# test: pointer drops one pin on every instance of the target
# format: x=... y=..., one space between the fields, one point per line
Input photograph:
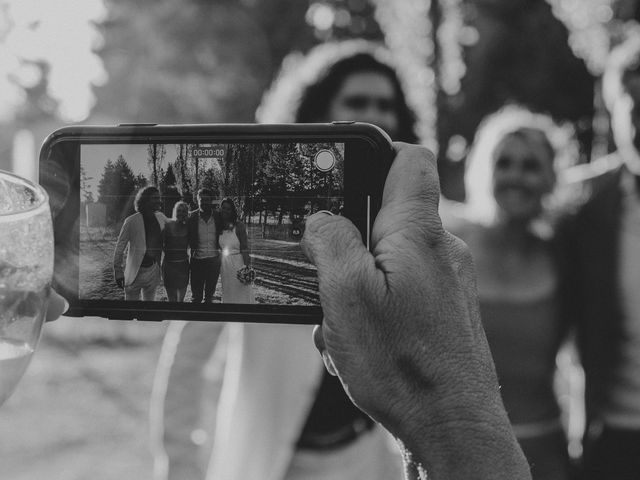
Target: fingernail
x=66 y=306
x=328 y=363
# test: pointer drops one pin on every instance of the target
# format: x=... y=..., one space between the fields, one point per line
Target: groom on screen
x=203 y=226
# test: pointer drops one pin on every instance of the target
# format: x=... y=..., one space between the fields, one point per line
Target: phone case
x=366 y=157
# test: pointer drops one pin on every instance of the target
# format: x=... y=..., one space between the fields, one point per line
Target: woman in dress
x=175 y=265
x=234 y=246
x=510 y=179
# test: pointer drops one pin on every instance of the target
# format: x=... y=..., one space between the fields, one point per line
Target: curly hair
x=143 y=196
x=305 y=86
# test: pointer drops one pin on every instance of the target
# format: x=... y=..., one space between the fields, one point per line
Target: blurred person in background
x=506 y=223
x=281 y=416
x=175 y=264
x=602 y=244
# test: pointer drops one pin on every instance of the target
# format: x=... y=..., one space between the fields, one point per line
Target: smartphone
x=218 y=239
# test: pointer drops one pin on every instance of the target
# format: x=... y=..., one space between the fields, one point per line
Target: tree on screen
x=85 y=187
x=117 y=188
x=155 y=157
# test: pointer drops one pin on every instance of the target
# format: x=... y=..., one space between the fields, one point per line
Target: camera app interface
x=203 y=223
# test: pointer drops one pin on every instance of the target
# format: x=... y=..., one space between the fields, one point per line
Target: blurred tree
x=210 y=60
x=38 y=105
x=521 y=55
x=182 y=61
x=517 y=51
x=177 y=61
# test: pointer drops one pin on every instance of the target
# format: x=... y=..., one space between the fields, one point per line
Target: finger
x=413 y=177
x=334 y=245
x=318 y=341
x=56 y=307
x=411 y=195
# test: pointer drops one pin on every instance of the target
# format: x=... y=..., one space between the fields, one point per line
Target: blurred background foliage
x=184 y=61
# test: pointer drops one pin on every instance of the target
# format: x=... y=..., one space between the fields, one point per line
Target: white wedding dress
x=233 y=290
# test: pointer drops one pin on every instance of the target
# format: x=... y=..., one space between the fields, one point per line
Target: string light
x=588 y=22
x=408 y=33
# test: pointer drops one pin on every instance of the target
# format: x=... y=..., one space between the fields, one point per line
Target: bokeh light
x=60 y=35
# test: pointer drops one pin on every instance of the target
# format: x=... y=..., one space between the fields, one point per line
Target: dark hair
x=234 y=214
x=143 y=196
x=317 y=97
x=305 y=85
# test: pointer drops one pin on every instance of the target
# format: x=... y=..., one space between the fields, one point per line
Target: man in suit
x=203 y=226
x=142 y=233
x=603 y=283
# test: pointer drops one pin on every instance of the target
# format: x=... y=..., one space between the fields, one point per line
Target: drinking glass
x=26 y=268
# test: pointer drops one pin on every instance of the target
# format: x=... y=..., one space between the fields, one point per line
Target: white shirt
x=207 y=239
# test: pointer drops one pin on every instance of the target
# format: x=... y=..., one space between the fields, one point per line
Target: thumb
x=410 y=200
x=334 y=245
x=57 y=306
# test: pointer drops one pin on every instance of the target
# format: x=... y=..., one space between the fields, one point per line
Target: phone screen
x=222 y=223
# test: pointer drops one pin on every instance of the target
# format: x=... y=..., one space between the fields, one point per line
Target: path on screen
x=283 y=274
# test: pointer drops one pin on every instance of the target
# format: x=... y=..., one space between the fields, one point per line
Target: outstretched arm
x=118 y=253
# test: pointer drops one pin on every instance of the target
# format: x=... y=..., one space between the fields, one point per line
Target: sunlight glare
x=60 y=33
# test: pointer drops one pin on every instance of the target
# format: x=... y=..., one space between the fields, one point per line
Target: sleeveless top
x=175 y=242
x=229 y=242
x=524 y=338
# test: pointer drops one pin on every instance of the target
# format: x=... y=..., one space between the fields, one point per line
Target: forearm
x=466 y=439
x=118 y=252
x=244 y=244
x=118 y=257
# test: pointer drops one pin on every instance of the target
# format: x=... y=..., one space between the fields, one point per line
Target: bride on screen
x=235 y=272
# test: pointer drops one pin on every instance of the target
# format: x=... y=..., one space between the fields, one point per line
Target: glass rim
x=42 y=198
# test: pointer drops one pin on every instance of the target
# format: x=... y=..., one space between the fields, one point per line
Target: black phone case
x=61 y=179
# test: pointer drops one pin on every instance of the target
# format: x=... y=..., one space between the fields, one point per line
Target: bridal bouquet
x=246 y=275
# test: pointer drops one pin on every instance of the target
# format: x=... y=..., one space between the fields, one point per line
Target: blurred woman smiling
x=506 y=223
